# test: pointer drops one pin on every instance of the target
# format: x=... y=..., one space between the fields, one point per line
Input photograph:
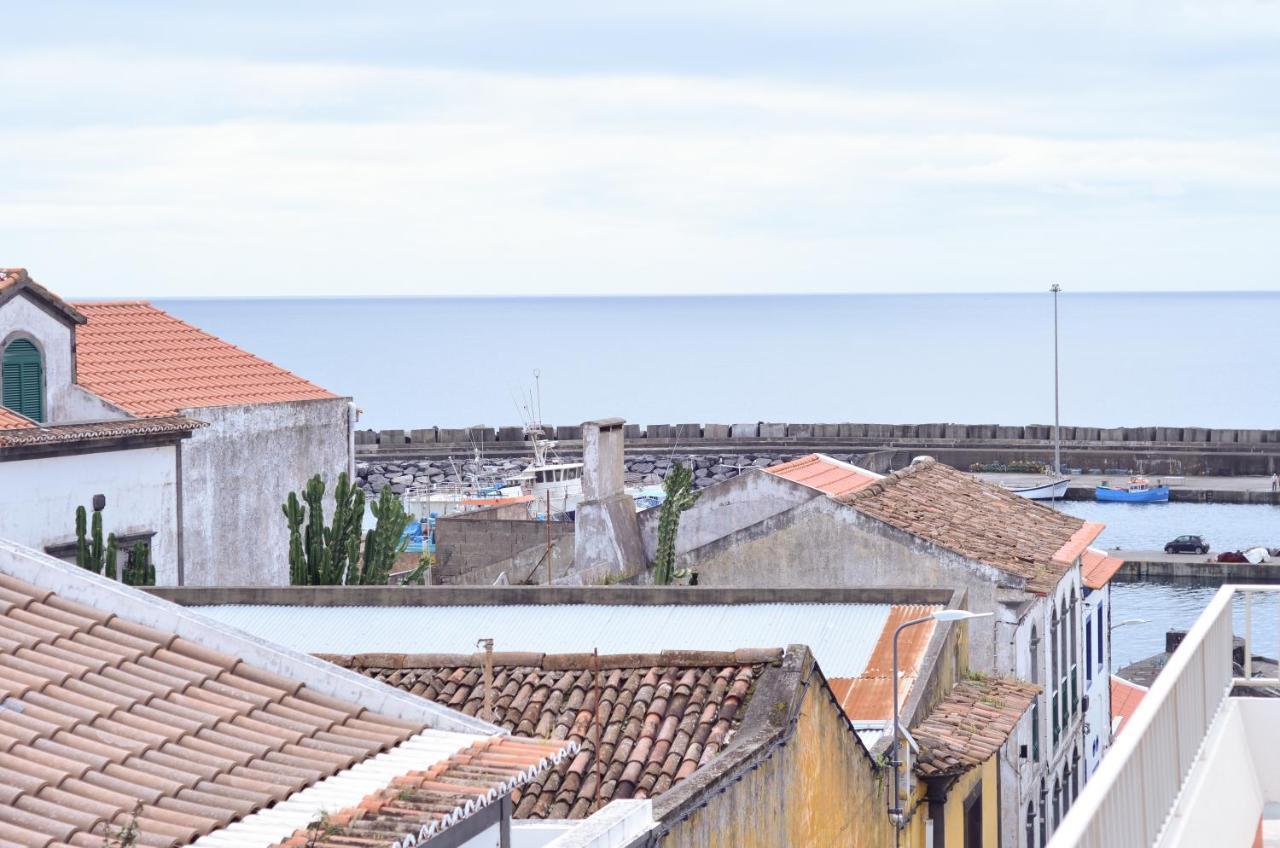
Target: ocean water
x=1207 y=360
x=1149 y=526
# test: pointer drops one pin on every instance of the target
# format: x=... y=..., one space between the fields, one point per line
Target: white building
x=192 y=442
x=1196 y=764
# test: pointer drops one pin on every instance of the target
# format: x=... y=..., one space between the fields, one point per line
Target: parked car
x=1187 y=545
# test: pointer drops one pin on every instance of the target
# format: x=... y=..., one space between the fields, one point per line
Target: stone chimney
x=606 y=533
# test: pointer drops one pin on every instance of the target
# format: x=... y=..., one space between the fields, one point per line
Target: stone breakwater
x=643 y=470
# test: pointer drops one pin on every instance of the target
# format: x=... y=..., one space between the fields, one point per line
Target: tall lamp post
x=895 y=809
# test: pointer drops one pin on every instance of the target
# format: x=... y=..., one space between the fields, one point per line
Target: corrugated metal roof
x=841 y=636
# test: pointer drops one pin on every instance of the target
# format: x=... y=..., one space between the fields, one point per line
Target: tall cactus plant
x=109 y=568
x=82 y=542
x=321 y=555
x=96 y=548
x=139 y=571
x=678 y=486
x=384 y=542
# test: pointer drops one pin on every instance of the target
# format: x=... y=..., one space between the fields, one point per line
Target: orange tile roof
x=1125 y=697
x=150 y=363
x=977 y=520
x=10 y=420
x=970 y=724
x=101 y=713
x=821 y=472
x=420 y=805
x=1097 y=569
x=869 y=696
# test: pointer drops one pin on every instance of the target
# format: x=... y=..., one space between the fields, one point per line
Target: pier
x=1158 y=565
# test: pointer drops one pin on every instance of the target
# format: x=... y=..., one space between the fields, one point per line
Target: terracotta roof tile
x=152 y=364
x=1097 y=569
x=661 y=715
x=16 y=280
x=1125 y=698
x=421 y=804
x=35 y=434
x=10 y=420
x=821 y=472
x=977 y=520
x=970 y=724
x=100 y=713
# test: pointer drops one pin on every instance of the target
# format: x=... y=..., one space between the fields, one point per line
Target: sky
x=422 y=148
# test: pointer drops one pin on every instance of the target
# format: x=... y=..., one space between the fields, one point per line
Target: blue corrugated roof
x=841 y=636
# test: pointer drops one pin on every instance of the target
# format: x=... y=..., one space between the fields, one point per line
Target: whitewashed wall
x=38 y=499
x=1098 y=718
x=236 y=474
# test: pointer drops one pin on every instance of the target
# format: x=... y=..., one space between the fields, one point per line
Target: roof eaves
x=1081 y=539
x=15 y=281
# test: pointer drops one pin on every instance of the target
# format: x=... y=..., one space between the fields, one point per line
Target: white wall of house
x=1096 y=659
x=23 y=317
x=38 y=499
x=236 y=474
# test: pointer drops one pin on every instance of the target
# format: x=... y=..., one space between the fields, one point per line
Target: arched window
x=23 y=370
x=1044 y=811
x=1035 y=654
x=1075 y=774
x=1053 y=644
x=1057 y=803
x=1031 y=825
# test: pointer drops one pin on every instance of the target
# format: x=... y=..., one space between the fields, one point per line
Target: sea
x=1179 y=360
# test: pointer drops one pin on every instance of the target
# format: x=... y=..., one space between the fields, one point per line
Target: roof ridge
x=891 y=479
x=561 y=661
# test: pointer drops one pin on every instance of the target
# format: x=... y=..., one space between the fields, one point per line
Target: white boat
x=1053 y=490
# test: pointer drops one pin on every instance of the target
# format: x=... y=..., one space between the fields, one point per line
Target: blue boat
x=1139 y=490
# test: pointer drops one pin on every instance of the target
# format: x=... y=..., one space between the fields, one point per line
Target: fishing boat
x=1138 y=490
x=1053 y=490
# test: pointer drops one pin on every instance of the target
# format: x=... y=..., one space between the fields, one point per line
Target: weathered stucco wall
x=21 y=317
x=824 y=543
x=721 y=509
x=238 y=471
x=471 y=542
x=819 y=789
x=38 y=499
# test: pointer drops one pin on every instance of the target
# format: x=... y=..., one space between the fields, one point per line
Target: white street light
x=945 y=615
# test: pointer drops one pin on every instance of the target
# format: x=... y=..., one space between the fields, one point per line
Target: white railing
x=1128 y=800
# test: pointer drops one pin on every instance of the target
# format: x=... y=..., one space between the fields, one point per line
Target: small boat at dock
x=1138 y=490
x=1053 y=490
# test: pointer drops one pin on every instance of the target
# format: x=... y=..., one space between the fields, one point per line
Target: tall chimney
x=606 y=533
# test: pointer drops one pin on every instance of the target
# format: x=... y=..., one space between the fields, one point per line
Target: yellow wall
x=818 y=789
x=953 y=810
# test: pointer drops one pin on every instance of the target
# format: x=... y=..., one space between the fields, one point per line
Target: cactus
x=678 y=486
x=82 y=544
x=110 y=567
x=384 y=542
x=320 y=555
x=95 y=546
x=138 y=570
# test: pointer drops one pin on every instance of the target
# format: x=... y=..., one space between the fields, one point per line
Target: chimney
x=606 y=534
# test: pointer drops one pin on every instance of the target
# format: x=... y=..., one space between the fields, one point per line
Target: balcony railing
x=1128 y=800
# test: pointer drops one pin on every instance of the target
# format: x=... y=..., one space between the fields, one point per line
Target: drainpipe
x=487 y=645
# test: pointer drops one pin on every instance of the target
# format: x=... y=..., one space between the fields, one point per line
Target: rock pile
x=644 y=470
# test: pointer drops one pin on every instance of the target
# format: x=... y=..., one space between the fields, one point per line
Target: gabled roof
x=422 y=804
x=150 y=363
x=970 y=724
x=869 y=696
x=665 y=715
x=978 y=520
x=1125 y=697
x=14 y=281
x=1097 y=568
x=828 y=475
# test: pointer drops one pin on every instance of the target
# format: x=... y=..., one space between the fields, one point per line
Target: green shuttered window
x=24 y=379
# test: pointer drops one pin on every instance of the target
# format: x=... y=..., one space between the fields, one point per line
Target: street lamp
x=895 y=810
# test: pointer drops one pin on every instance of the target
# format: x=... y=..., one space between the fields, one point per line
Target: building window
x=1057 y=803
x=1031 y=825
x=24 y=379
x=1075 y=774
x=1035 y=730
x=973 y=819
x=1102 y=629
x=1088 y=650
x=1044 y=811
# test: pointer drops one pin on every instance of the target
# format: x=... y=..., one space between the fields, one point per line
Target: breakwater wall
x=1197 y=436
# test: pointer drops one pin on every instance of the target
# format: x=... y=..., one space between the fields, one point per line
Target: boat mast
x=1057 y=432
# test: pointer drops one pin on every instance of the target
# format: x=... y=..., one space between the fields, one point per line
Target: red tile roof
x=869 y=696
x=34 y=434
x=10 y=420
x=821 y=472
x=422 y=804
x=970 y=724
x=101 y=713
x=1097 y=569
x=1125 y=698
x=977 y=520
x=150 y=364
x=663 y=715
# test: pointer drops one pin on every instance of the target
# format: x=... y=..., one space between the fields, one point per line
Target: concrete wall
x=934 y=433
x=473 y=541
x=38 y=499
x=824 y=543
x=721 y=509
x=819 y=789
x=238 y=471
